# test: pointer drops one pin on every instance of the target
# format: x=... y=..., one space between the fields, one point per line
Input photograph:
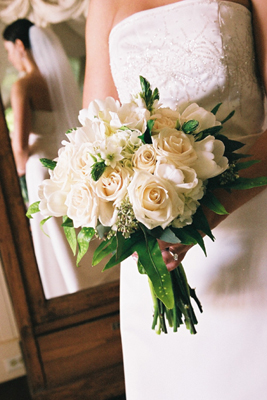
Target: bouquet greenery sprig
x=136 y=173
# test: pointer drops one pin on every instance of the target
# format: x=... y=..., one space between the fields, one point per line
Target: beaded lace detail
x=193 y=50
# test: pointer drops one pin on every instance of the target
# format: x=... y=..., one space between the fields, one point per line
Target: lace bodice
x=192 y=50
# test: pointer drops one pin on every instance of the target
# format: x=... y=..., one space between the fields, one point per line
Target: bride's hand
x=172 y=254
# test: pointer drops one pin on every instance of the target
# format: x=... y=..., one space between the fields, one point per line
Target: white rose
x=154 y=200
x=52 y=199
x=145 y=158
x=82 y=205
x=61 y=173
x=133 y=117
x=183 y=178
x=175 y=146
x=111 y=189
x=210 y=160
x=81 y=162
x=165 y=118
x=205 y=118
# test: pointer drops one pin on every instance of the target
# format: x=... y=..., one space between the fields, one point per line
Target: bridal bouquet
x=138 y=172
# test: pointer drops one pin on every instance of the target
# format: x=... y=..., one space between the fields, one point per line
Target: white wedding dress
x=200 y=50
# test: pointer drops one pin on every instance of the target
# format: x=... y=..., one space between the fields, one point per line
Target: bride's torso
x=192 y=50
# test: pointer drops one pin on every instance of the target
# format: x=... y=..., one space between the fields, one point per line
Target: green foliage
x=98 y=169
x=33 y=208
x=147 y=95
x=50 y=164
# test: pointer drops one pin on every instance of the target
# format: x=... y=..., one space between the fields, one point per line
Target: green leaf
x=216 y=108
x=141 y=269
x=146 y=137
x=200 y=223
x=33 y=208
x=70 y=235
x=246 y=164
x=67 y=222
x=190 y=230
x=98 y=169
x=169 y=236
x=104 y=249
x=230 y=145
x=246 y=183
x=190 y=126
x=42 y=224
x=150 y=257
x=84 y=237
x=210 y=131
x=228 y=117
x=102 y=231
x=147 y=95
x=125 y=248
x=184 y=236
x=211 y=201
x=50 y=164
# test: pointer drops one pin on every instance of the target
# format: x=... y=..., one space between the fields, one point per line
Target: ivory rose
x=154 y=200
x=175 y=146
x=82 y=205
x=165 y=118
x=210 y=160
x=111 y=189
x=52 y=199
x=145 y=158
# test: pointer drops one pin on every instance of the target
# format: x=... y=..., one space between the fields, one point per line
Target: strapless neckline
x=168 y=7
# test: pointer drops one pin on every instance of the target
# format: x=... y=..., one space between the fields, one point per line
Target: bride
x=196 y=51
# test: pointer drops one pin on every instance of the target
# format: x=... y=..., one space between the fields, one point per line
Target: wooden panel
x=104 y=385
x=81 y=350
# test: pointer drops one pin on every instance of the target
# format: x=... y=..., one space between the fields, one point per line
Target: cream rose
x=210 y=160
x=145 y=158
x=175 y=146
x=82 y=205
x=205 y=118
x=61 y=173
x=111 y=189
x=52 y=199
x=155 y=202
x=165 y=118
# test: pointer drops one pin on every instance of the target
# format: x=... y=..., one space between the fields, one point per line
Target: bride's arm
x=22 y=124
x=98 y=83
x=258 y=151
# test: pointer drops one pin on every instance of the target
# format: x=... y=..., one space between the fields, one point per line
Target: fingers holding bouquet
x=172 y=254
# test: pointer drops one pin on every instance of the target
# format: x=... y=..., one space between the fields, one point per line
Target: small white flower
x=110 y=153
